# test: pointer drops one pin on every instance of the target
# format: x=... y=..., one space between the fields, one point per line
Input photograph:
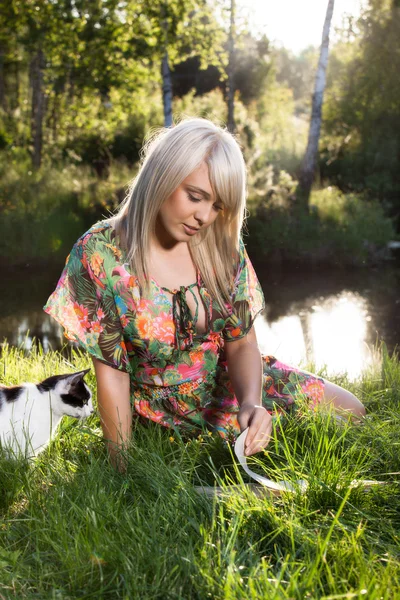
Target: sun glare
x=295 y=24
x=332 y=333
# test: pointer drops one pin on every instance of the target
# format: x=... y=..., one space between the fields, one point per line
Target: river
x=332 y=318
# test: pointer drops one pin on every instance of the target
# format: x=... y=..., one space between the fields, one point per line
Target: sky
x=295 y=24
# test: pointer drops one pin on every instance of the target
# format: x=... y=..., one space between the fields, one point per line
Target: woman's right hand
x=259 y=422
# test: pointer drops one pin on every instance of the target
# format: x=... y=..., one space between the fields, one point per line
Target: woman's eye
x=193 y=199
x=218 y=207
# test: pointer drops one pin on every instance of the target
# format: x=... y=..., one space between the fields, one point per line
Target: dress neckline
x=175 y=290
x=181 y=287
x=198 y=281
x=185 y=322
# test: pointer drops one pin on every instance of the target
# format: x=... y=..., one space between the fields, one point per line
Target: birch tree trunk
x=166 y=74
x=38 y=107
x=310 y=158
x=231 y=67
x=166 y=90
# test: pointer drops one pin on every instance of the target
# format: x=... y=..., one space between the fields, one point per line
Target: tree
x=81 y=61
x=310 y=159
x=361 y=146
x=181 y=29
x=40 y=25
x=166 y=73
x=231 y=69
x=72 y=49
x=10 y=25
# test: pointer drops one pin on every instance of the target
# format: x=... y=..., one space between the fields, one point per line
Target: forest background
x=82 y=83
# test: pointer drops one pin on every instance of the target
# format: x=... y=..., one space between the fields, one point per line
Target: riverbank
x=42 y=215
x=339 y=230
x=70 y=523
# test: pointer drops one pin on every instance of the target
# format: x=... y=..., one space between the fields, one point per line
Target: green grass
x=71 y=527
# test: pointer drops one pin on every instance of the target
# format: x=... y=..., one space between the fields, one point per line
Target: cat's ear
x=75 y=377
x=84 y=372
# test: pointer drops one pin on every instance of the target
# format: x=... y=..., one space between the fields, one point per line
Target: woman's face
x=189 y=209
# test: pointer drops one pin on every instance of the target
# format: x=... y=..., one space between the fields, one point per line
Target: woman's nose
x=203 y=213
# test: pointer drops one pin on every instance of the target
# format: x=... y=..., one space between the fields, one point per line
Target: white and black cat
x=30 y=413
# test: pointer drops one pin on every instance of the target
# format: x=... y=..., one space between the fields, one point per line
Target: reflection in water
x=20 y=331
x=338 y=331
x=331 y=333
x=283 y=338
x=23 y=292
x=330 y=321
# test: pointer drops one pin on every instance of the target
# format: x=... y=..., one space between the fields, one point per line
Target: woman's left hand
x=259 y=422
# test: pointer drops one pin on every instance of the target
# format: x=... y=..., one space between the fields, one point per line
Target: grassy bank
x=339 y=229
x=42 y=214
x=70 y=527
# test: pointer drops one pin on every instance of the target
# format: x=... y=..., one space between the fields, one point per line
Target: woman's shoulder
x=100 y=232
x=97 y=246
x=101 y=237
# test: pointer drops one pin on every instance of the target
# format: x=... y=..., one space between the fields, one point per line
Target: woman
x=163 y=296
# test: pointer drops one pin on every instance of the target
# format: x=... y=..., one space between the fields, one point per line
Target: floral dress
x=178 y=378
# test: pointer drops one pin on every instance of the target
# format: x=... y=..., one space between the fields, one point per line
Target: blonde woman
x=163 y=296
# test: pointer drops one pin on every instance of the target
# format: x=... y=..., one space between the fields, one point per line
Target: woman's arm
x=245 y=373
x=113 y=399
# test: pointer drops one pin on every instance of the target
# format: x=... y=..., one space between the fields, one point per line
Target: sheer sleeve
x=85 y=304
x=247 y=299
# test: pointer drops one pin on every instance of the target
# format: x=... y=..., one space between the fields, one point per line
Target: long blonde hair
x=168 y=157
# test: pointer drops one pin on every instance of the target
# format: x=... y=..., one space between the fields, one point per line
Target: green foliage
x=360 y=221
x=341 y=229
x=96 y=56
x=252 y=68
x=98 y=133
x=209 y=106
x=5 y=139
x=42 y=214
x=360 y=147
x=69 y=523
x=297 y=73
x=281 y=136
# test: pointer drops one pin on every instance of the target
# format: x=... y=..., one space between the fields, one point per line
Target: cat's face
x=70 y=395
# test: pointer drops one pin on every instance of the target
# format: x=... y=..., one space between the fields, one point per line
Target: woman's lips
x=190 y=230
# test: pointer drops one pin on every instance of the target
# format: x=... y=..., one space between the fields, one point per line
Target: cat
x=30 y=413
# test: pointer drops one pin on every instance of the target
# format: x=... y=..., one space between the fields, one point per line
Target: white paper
x=280 y=486
x=286 y=486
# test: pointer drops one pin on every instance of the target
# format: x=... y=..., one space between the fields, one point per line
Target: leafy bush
x=115 y=130
x=342 y=229
x=42 y=214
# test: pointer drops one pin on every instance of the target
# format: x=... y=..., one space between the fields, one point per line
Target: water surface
x=332 y=318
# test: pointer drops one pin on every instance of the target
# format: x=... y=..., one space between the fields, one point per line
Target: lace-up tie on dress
x=185 y=323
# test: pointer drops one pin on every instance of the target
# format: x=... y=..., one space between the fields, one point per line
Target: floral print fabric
x=177 y=380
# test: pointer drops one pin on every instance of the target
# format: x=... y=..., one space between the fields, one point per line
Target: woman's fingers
x=261 y=440
x=246 y=416
x=259 y=433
